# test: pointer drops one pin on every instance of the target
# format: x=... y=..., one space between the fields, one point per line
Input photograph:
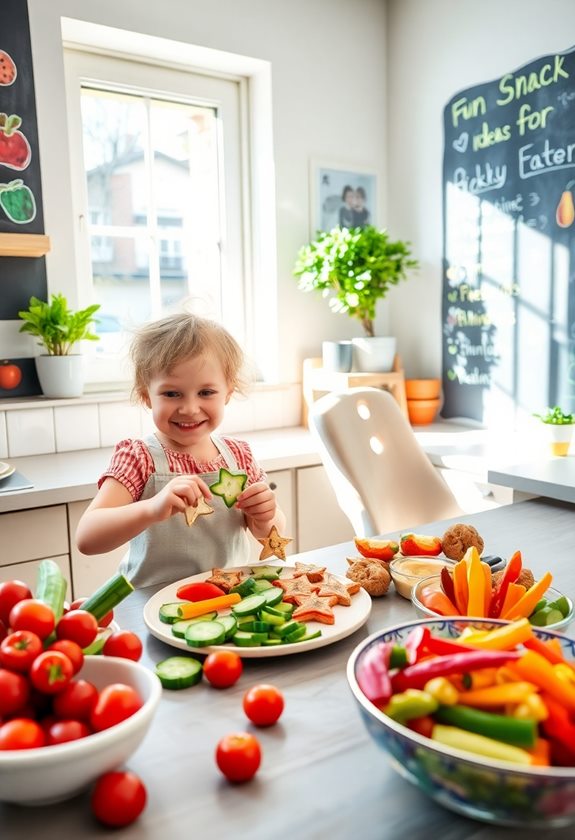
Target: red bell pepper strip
x=447 y=585
x=442 y=647
x=421 y=642
x=557 y=725
x=373 y=674
x=510 y=575
x=415 y=676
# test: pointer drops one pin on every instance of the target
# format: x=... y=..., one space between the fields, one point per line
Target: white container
x=559 y=437
x=374 y=354
x=61 y=376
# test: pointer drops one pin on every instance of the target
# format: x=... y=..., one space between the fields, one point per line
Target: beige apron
x=171 y=550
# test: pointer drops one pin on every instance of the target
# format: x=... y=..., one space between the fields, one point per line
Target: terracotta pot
x=422 y=412
x=422 y=389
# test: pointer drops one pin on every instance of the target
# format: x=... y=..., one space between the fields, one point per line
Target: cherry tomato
x=118 y=798
x=72 y=650
x=199 y=591
x=238 y=756
x=14 y=692
x=79 y=626
x=263 y=704
x=223 y=668
x=19 y=650
x=3 y=630
x=76 y=701
x=61 y=731
x=11 y=591
x=21 y=734
x=32 y=614
x=124 y=643
x=51 y=672
x=116 y=702
x=10 y=376
x=103 y=622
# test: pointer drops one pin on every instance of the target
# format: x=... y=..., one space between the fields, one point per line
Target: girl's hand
x=258 y=502
x=180 y=492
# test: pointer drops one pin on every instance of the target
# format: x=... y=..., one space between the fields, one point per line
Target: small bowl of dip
x=407 y=571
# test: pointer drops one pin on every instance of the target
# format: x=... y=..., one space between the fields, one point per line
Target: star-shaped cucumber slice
x=229 y=486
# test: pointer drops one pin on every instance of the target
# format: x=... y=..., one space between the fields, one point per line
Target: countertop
x=72 y=476
x=322 y=777
x=553 y=478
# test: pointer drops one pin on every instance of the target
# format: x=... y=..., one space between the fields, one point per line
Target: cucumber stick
x=108 y=596
x=51 y=587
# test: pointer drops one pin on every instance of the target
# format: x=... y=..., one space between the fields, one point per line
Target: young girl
x=186 y=369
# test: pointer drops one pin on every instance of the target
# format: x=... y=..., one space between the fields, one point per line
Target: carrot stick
x=551 y=653
x=488 y=587
x=536 y=669
x=526 y=604
x=497 y=695
x=540 y=753
x=195 y=608
x=515 y=591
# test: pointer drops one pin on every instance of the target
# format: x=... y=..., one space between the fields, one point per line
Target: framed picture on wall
x=342 y=195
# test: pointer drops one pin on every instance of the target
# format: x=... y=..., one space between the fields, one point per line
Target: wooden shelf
x=24 y=244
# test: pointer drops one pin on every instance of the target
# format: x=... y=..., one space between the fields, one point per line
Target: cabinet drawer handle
x=273 y=485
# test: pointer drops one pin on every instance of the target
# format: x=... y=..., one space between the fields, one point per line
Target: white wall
x=328 y=76
x=434 y=49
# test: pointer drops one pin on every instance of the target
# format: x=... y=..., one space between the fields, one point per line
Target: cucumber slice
x=229 y=486
x=282 y=609
x=272 y=642
x=308 y=636
x=243 y=639
x=249 y=605
x=245 y=588
x=179 y=627
x=561 y=604
x=229 y=624
x=289 y=627
x=205 y=633
x=295 y=635
x=271 y=619
x=261 y=585
x=272 y=596
x=169 y=612
x=545 y=617
x=179 y=672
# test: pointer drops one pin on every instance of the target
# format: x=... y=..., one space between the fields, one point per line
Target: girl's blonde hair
x=161 y=345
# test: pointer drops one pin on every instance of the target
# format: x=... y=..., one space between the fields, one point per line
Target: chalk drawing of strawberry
x=8 y=70
x=15 y=152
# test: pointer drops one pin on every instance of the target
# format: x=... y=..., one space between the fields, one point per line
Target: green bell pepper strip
x=413 y=703
x=516 y=731
x=415 y=676
x=451 y=736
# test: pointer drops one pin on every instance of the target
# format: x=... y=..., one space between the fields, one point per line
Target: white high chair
x=382 y=478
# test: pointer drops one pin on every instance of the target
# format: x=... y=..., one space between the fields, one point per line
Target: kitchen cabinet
x=320 y=519
x=29 y=536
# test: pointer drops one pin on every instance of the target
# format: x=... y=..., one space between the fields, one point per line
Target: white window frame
x=258 y=228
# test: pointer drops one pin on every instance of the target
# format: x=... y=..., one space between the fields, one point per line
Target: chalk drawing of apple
x=15 y=152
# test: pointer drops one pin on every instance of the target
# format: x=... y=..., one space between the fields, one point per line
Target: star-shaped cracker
x=314 y=608
x=274 y=545
x=225 y=579
x=313 y=573
x=201 y=508
x=293 y=587
x=332 y=586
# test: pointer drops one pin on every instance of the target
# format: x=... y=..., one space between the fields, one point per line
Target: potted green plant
x=560 y=428
x=59 y=329
x=355 y=268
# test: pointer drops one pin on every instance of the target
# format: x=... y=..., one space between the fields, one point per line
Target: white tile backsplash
x=30 y=432
x=3 y=437
x=118 y=421
x=76 y=427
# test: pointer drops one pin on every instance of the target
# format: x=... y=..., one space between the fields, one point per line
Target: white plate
x=6 y=470
x=347 y=621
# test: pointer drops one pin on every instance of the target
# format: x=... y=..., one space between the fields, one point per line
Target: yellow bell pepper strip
x=536 y=669
x=192 y=609
x=510 y=575
x=415 y=676
x=533 y=707
x=515 y=591
x=412 y=703
x=505 y=637
x=461 y=587
x=497 y=695
x=373 y=673
x=452 y=736
x=564 y=672
x=420 y=544
x=488 y=587
x=525 y=605
x=520 y=733
x=443 y=691
x=475 y=582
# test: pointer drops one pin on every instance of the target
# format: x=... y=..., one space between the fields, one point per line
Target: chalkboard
x=508 y=308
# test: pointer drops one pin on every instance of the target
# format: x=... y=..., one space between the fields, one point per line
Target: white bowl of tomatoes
x=59 y=771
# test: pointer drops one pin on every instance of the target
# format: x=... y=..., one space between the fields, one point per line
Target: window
x=158 y=195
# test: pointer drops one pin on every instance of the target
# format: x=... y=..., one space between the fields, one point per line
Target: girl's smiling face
x=188 y=404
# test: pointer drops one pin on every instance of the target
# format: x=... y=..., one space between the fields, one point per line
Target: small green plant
x=354 y=268
x=556 y=417
x=57 y=327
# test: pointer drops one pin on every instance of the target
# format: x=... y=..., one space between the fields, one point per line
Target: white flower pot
x=373 y=354
x=559 y=438
x=61 y=376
